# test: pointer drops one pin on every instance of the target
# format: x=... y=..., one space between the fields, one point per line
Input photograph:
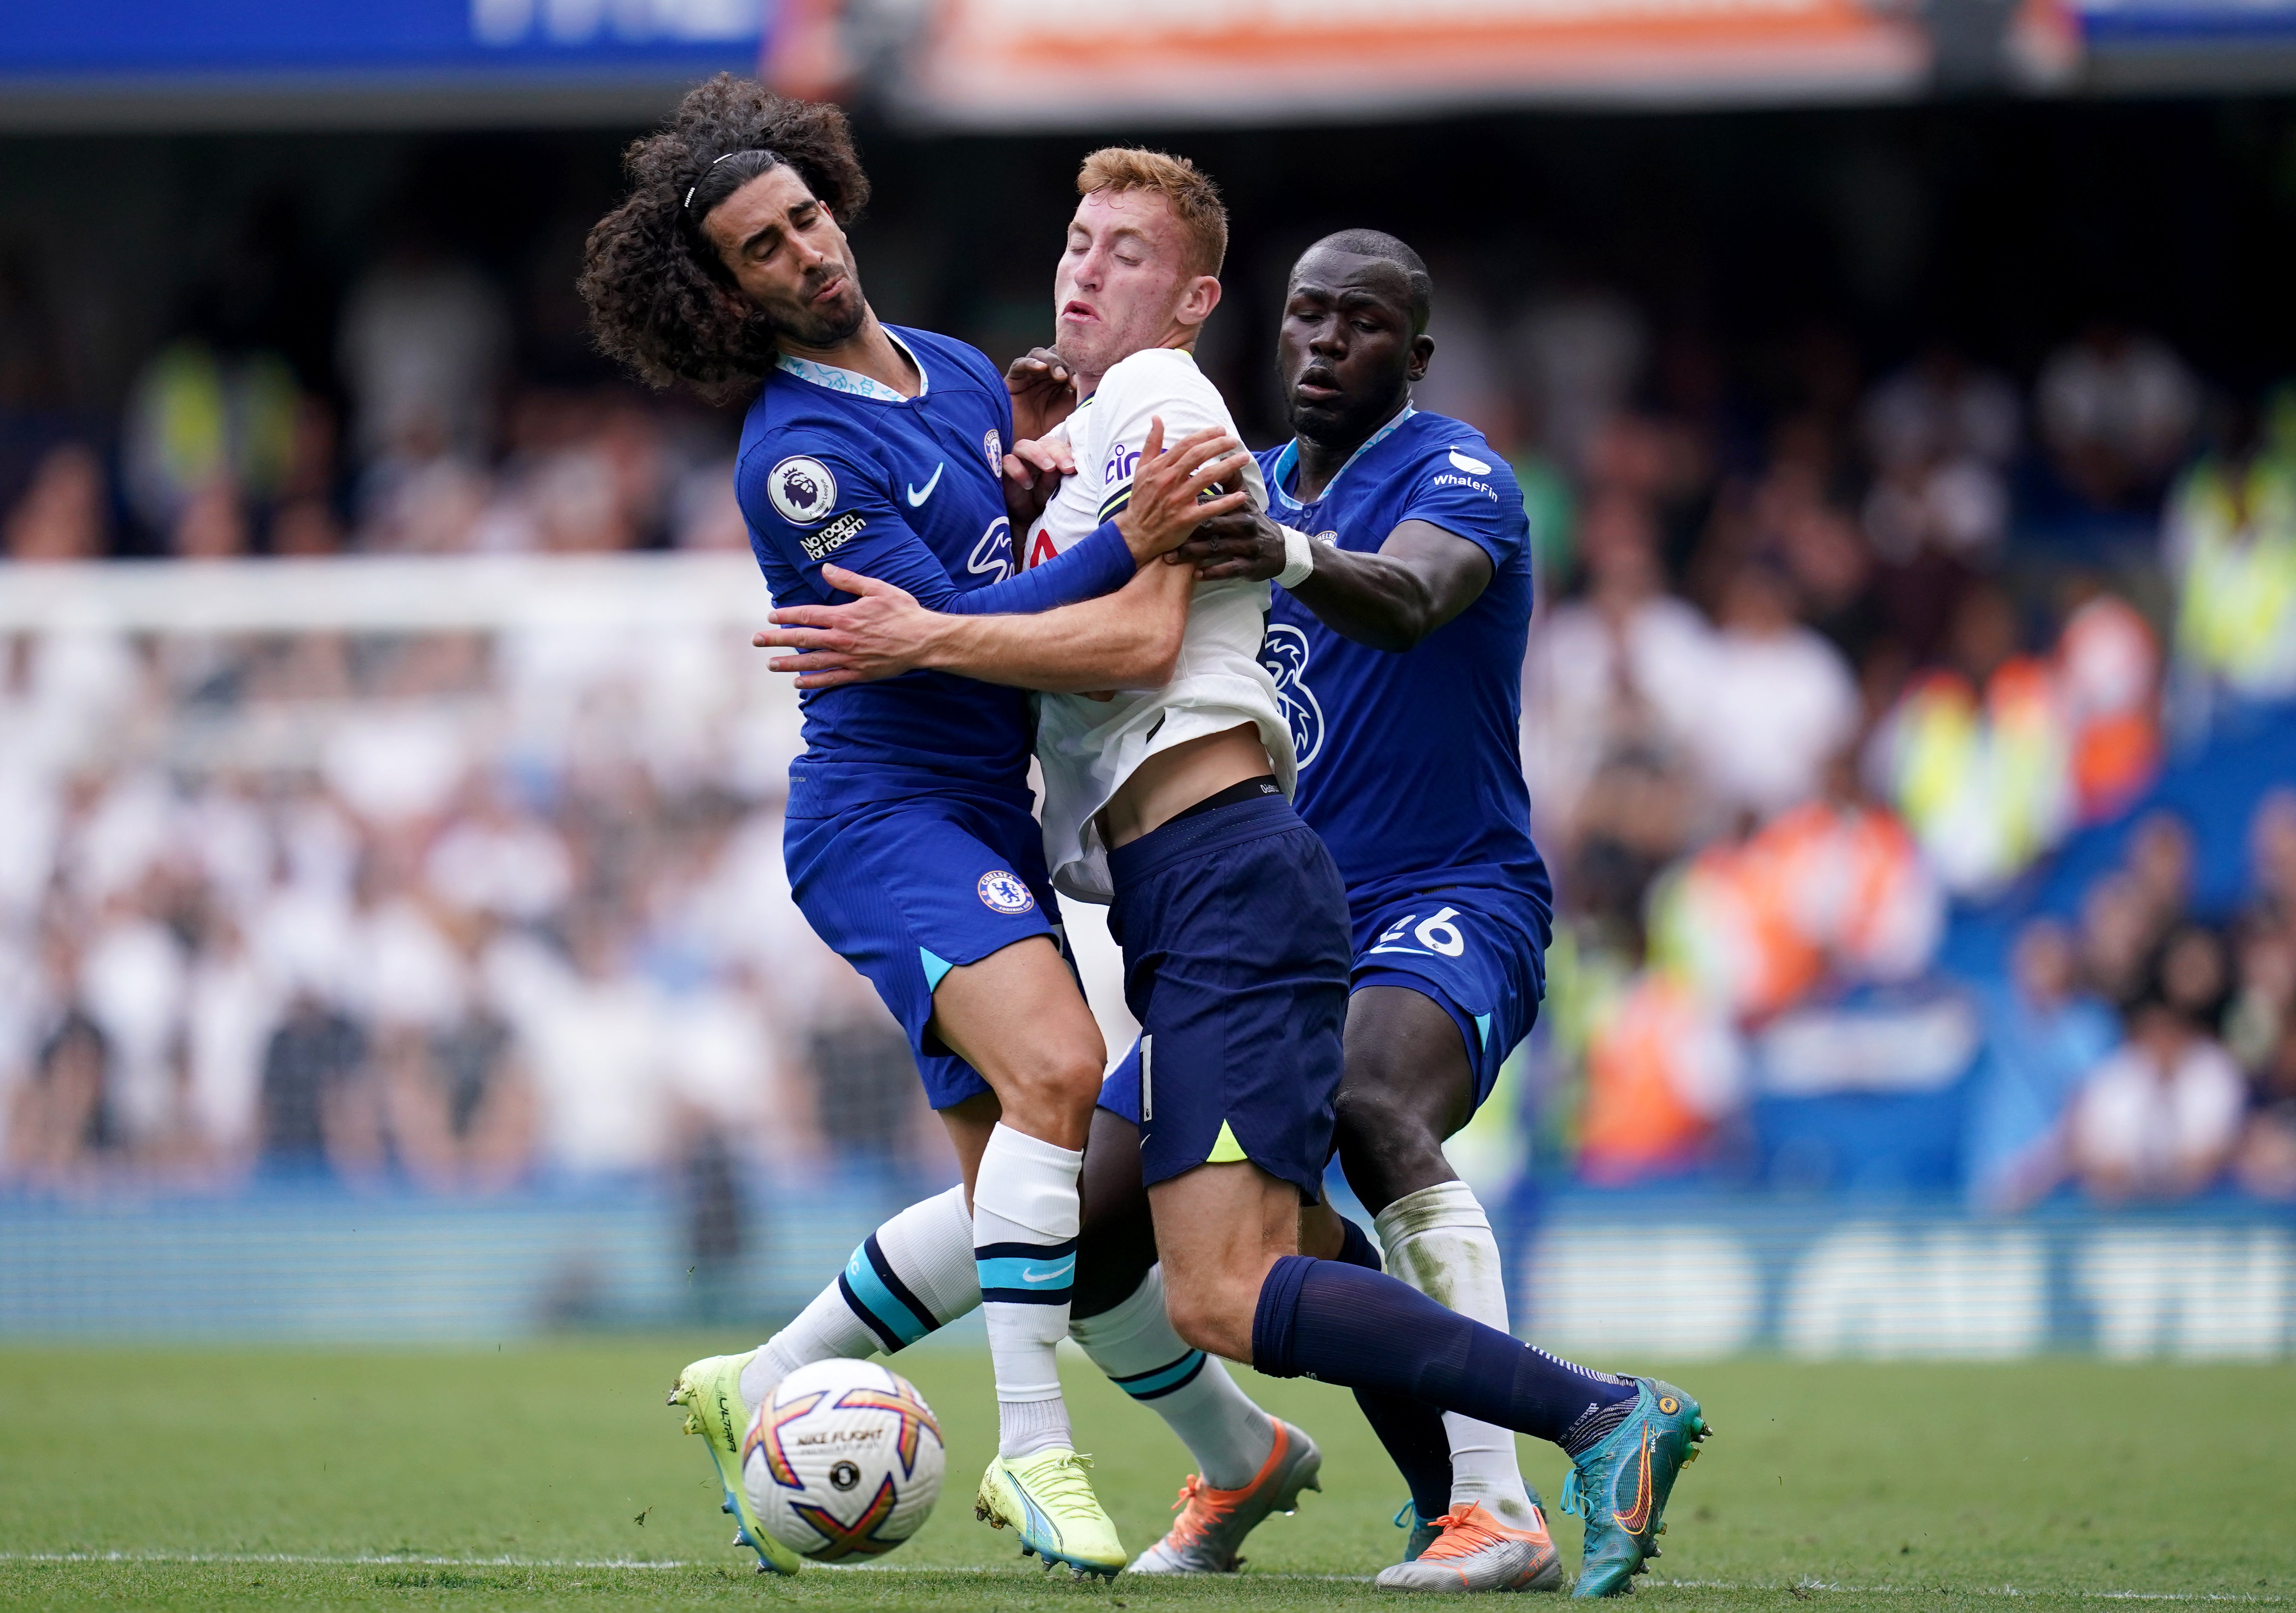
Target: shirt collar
x=1287 y=463
x=852 y=382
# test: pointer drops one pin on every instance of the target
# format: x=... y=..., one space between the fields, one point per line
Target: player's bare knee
x=1379 y=1123
x=1204 y=1314
x=1050 y=1083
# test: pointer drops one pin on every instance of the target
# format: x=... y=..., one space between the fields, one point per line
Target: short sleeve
x=1470 y=491
x=1160 y=385
x=829 y=506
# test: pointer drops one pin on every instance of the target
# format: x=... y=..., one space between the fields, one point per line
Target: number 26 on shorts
x=1437 y=933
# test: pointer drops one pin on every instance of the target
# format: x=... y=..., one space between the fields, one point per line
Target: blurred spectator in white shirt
x=1779 y=702
x=1619 y=672
x=1941 y=434
x=1581 y=349
x=422 y=347
x=1941 y=407
x=233 y=1011
x=594 y=1034
x=2159 y=1118
x=2116 y=410
x=498 y=859
x=133 y=979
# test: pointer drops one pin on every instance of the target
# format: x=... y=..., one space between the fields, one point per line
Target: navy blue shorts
x=906 y=891
x=1234 y=930
x=1481 y=959
x=1478 y=953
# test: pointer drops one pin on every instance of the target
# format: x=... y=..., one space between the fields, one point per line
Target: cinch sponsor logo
x=836 y=535
x=1447 y=480
x=1121 y=463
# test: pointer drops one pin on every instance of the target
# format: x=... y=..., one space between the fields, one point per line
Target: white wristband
x=1299 y=558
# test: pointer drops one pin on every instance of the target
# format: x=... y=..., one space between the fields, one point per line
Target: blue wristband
x=1101 y=565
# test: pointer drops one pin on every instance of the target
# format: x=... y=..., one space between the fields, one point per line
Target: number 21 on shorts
x=1436 y=933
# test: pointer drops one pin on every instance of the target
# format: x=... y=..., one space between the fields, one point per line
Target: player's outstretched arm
x=1419 y=578
x=1128 y=639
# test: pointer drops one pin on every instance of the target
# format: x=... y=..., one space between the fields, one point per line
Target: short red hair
x=1195 y=200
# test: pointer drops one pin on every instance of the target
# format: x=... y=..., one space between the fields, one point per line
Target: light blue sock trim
x=1147 y=1386
x=885 y=1305
x=935 y=969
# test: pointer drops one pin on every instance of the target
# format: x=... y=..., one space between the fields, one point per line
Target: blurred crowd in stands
x=455 y=910
x=1825 y=667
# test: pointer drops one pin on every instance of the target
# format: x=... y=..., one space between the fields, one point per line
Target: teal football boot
x=1620 y=1486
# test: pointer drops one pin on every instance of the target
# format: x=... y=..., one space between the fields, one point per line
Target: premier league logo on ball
x=1003 y=891
x=802 y=490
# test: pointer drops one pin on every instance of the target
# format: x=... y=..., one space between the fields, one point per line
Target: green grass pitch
x=552 y=1474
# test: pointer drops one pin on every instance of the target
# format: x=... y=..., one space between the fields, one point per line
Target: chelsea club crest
x=1001 y=891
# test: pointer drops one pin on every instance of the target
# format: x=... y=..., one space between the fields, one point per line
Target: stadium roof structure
x=1050 y=64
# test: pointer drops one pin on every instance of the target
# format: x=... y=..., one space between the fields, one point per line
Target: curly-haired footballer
x=911 y=845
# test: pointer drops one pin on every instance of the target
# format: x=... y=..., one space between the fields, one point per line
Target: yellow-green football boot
x=1620 y=1485
x=1049 y=1499
x=710 y=1391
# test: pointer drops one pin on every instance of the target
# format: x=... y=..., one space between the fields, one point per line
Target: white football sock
x=910 y=1276
x=1439 y=1241
x=1025 y=1219
x=1134 y=1344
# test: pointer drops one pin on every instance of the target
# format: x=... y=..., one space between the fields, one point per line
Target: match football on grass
x=544 y=1475
x=1017 y=803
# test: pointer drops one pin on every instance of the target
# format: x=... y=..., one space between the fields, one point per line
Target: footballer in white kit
x=1088 y=746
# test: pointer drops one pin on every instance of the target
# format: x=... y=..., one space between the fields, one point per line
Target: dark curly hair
x=656 y=288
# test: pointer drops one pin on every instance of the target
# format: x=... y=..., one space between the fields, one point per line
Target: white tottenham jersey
x=1089 y=747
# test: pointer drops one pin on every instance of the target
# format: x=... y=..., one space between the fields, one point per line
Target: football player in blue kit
x=1418 y=1000
x=911 y=844
x=1397 y=641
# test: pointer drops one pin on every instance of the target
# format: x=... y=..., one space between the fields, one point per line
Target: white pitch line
x=257 y=1559
x=1835 y=1585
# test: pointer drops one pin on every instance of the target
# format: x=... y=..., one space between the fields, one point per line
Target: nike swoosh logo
x=1055 y=1275
x=917 y=497
x=1634 y=1521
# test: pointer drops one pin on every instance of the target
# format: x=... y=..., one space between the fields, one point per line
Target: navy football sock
x=1412 y=1430
x=1339 y=1324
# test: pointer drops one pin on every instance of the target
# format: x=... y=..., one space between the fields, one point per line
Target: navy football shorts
x=906 y=891
x=1480 y=954
x=1233 y=925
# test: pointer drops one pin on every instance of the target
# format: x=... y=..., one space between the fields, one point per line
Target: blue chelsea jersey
x=838 y=469
x=1411 y=764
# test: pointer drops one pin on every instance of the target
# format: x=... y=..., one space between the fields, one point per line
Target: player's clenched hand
x=1170 y=484
x=881 y=633
x=1244 y=544
x=1044 y=391
x=1032 y=475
